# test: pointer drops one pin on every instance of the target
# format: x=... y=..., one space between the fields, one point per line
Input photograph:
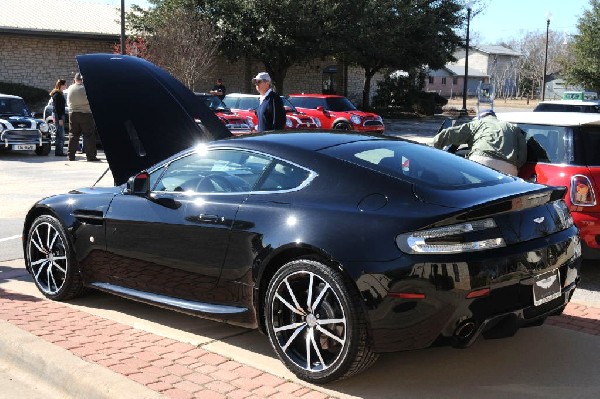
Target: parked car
x=338 y=246
x=337 y=112
x=19 y=130
x=235 y=122
x=248 y=104
x=49 y=117
x=568 y=106
x=563 y=151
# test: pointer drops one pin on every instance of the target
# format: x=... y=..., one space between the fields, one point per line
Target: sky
x=501 y=19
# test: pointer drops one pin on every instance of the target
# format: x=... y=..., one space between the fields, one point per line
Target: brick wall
x=39 y=61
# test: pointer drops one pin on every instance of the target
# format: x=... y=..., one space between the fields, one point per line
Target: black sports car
x=338 y=246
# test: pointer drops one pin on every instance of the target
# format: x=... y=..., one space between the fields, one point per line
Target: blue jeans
x=59 y=144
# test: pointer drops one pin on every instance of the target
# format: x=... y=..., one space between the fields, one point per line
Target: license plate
x=23 y=147
x=546 y=287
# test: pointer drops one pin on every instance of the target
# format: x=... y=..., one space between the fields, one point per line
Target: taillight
x=582 y=191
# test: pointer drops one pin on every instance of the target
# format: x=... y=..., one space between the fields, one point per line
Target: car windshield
x=417 y=163
x=289 y=107
x=548 y=144
x=339 y=104
x=13 y=107
x=550 y=107
x=214 y=103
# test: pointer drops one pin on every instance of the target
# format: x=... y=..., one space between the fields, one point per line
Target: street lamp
x=548 y=16
x=469 y=6
x=122 y=27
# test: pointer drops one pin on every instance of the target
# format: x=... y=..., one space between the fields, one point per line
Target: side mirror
x=139 y=184
x=320 y=108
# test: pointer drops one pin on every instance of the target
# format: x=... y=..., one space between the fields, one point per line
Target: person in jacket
x=219 y=89
x=59 y=103
x=81 y=121
x=270 y=112
x=497 y=144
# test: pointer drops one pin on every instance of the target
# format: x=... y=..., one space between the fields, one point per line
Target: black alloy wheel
x=51 y=260
x=316 y=323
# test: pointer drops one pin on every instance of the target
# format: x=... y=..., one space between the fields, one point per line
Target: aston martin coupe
x=338 y=246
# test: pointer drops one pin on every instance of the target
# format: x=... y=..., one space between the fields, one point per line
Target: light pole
x=463 y=111
x=548 y=16
x=122 y=27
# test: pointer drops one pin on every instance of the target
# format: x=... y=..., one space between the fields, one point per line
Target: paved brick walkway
x=173 y=368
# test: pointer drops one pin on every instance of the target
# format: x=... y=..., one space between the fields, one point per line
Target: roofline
x=108 y=37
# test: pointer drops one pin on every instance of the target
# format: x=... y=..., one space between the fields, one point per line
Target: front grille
x=372 y=123
x=238 y=127
x=21 y=136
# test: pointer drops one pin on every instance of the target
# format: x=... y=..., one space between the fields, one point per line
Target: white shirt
x=262 y=98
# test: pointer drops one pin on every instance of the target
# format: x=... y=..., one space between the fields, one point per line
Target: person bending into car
x=270 y=112
x=497 y=144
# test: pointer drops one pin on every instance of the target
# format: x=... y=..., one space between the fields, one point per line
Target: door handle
x=210 y=218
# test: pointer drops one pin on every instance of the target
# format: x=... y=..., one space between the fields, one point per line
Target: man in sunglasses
x=270 y=112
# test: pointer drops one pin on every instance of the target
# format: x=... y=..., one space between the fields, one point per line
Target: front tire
x=51 y=260
x=342 y=126
x=43 y=149
x=316 y=323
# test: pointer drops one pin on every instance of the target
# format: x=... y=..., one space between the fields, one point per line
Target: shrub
x=30 y=94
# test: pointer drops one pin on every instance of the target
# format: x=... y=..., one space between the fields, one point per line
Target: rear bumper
x=443 y=308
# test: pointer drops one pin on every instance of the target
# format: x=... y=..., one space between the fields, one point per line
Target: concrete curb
x=42 y=360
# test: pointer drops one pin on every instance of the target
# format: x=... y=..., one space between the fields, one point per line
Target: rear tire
x=316 y=323
x=51 y=260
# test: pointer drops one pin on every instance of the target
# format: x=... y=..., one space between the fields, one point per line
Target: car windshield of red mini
x=417 y=163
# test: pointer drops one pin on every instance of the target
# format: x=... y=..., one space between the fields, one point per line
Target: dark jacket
x=270 y=113
x=59 y=102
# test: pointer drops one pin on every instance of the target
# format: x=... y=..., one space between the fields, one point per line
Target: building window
x=454 y=81
x=431 y=80
x=443 y=80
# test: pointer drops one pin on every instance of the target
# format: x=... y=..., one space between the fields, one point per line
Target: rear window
x=587 y=142
x=549 y=144
x=567 y=108
x=417 y=163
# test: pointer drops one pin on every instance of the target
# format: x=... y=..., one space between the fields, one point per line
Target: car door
x=174 y=241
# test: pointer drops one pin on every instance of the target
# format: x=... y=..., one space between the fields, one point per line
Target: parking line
x=10 y=238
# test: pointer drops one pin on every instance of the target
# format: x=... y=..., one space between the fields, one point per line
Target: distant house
x=40 y=39
x=487 y=64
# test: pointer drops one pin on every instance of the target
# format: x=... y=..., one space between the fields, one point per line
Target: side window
x=283 y=176
x=314 y=103
x=214 y=171
x=297 y=101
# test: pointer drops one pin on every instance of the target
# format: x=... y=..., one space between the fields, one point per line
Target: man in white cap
x=270 y=112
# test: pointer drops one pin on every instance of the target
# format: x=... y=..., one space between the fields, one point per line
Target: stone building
x=40 y=39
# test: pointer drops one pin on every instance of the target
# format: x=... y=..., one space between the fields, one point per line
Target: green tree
x=402 y=34
x=584 y=66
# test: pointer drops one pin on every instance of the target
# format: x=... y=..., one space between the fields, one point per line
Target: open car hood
x=142 y=113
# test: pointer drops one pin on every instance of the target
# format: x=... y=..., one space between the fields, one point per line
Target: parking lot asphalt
x=102 y=346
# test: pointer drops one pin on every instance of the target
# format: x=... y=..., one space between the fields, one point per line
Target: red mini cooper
x=235 y=122
x=337 y=112
x=563 y=150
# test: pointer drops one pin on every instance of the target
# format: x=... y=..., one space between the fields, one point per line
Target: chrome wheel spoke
x=51 y=244
x=59 y=267
x=310 y=289
x=287 y=305
x=38 y=243
x=293 y=337
x=330 y=335
x=289 y=327
x=37 y=274
x=310 y=334
x=316 y=348
x=331 y=321
x=321 y=295
x=287 y=284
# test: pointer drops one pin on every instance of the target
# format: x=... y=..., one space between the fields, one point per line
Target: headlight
x=355 y=119
x=43 y=127
x=250 y=123
x=452 y=239
x=317 y=121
